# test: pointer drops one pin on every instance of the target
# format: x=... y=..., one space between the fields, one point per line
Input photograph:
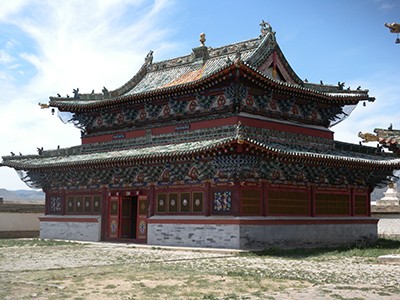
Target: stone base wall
x=389 y=225
x=19 y=225
x=194 y=235
x=19 y=234
x=78 y=228
x=305 y=236
x=236 y=234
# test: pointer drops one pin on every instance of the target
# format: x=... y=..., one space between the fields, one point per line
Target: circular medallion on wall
x=249 y=101
x=142 y=115
x=120 y=119
x=173 y=202
x=197 y=202
x=185 y=202
x=192 y=106
x=167 y=111
x=161 y=202
x=99 y=121
x=221 y=100
x=273 y=105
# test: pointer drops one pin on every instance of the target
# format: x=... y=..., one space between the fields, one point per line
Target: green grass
x=35 y=243
x=378 y=248
x=110 y=286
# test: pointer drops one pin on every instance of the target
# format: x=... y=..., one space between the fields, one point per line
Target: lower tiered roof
x=341 y=155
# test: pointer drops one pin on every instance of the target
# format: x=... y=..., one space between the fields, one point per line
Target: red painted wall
x=216 y=123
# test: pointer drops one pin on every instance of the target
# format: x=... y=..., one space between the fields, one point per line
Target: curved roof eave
x=203 y=83
x=187 y=150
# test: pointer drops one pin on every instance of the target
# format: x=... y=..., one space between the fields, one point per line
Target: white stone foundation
x=78 y=228
x=251 y=236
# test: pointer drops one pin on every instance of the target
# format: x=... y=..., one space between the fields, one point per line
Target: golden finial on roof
x=202 y=39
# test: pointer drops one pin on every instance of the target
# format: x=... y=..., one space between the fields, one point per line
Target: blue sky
x=53 y=46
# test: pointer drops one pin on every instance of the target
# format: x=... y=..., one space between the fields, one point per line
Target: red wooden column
x=63 y=201
x=151 y=198
x=104 y=214
x=264 y=199
x=312 y=200
x=208 y=198
x=352 y=201
x=236 y=199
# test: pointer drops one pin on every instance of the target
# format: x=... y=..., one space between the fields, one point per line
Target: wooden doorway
x=128 y=217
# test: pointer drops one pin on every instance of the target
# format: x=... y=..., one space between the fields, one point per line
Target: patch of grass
x=110 y=286
x=4 y=243
x=384 y=294
x=340 y=297
x=375 y=249
x=231 y=296
x=210 y=297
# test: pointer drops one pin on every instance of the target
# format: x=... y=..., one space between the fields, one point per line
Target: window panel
x=251 y=202
x=288 y=203
x=222 y=201
x=70 y=204
x=361 y=205
x=88 y=204
x=161 y=202
x=173 y=202
x=185 y=202
x=96 y=204
x=197 y=202
x=332 y=204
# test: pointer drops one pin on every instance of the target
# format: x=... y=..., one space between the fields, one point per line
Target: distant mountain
x=21 y=195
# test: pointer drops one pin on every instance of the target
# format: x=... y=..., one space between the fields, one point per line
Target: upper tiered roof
x=259 y=59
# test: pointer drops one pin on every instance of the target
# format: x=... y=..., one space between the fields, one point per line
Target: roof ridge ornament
x=202 y=39
x=149 y=58
x=238 y=58
x=201 y=53
x=265 y=28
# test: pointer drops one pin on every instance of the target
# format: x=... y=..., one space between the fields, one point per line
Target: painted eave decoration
x=205 y=148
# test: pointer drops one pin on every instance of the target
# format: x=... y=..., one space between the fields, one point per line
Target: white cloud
x=5 y=57
x=87 y=44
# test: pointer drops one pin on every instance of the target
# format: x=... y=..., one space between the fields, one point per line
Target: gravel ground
x=121 y=271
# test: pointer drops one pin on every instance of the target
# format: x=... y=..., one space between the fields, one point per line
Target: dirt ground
x=125 y=271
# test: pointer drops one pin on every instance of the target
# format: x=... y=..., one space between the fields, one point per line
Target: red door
x=114 y=203
x=141 y=227
x=128 y=217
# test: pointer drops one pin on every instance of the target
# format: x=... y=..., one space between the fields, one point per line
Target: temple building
x=224 y=147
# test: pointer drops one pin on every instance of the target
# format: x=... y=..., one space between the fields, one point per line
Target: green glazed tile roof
x=190 y=71
x=171 y=152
